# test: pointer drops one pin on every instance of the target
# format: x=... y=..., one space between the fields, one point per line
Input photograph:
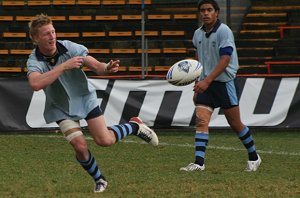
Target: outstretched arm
x=39 y=80
x=101 y=68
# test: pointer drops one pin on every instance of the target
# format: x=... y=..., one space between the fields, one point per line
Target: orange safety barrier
x=150 y=51
x=106 y=17
x=93 y=34
x=123 y=51
x=147 y=33
x=4 y=51
x=80 y=18
x=38 y=3
x=175 y=50
x=113 y=33
x=6 y=18
x=14 y=35
x=172 y=33
x=11 y=69
x=88 y=2
x=58 y=18
x=20 y=51
x=282 y=28
x=139 y=2
x=63 y=2
x=159 y=16
x=67 y=34
x=185 y=16
x=162 y=68
x=113 y=2
x=269 y=63
x=99 y=51
x=131 y=17
x=24 y=18
x=13 y=3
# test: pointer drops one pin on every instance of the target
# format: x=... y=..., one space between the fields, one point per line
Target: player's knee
x=104 y=141
x=201 y=121
x=202 y=118
x=80 y=146
x=71 y=129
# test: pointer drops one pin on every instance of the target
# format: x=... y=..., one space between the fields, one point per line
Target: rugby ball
x=184 y=72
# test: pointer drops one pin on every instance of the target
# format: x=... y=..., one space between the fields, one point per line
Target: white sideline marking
x=183 y=145
x=218 y=148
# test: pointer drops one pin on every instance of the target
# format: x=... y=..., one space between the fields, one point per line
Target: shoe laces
x=145 y=135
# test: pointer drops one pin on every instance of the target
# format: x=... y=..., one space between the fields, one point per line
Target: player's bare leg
x=104 y=136
x=203 y=115
x=73 y=134
x=234 y=119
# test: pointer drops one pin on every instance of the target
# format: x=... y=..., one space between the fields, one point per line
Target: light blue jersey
x=208 y=47
x=71 y=96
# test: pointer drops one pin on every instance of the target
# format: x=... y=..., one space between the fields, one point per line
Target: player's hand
x=200 y=86
x=73 y=63
x=113 y=66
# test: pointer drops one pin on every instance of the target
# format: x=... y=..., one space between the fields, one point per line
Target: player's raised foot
x=253 y=165
x=100 y=185
x=193 y=167
x=144 y=132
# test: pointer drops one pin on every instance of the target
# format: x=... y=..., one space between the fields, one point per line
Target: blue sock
x=201 y=141
x=91 y=167
x=123 y=130
x=247 y=139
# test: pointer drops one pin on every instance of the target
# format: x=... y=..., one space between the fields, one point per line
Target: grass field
x=43 y=165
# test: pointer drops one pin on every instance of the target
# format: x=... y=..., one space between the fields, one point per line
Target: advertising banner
x=264 y=102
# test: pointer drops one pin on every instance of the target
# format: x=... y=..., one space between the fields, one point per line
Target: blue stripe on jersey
x=226 y=51
x=230 y=86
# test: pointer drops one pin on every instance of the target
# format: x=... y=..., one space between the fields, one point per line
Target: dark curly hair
x=212 y=2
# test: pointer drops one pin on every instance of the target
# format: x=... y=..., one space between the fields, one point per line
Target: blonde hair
x=37 y=22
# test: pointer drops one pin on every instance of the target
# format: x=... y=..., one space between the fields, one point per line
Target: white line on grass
x=218 y=148
x=186 y=145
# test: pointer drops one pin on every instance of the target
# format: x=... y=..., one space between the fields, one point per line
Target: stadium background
x=266 y=37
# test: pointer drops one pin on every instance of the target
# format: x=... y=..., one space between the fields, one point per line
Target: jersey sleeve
x=76 y=49
x=225 y=37
x=33 y=65
x=195 y=40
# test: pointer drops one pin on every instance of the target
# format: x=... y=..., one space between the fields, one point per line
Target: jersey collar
x=215 y=28
x=61 y=49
